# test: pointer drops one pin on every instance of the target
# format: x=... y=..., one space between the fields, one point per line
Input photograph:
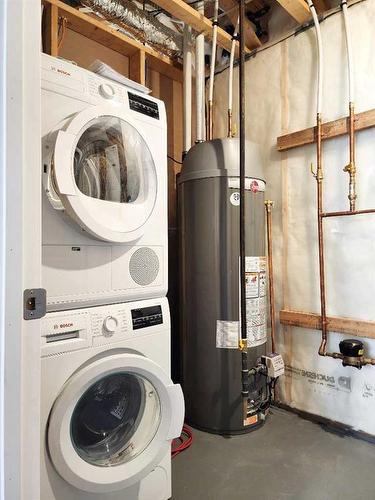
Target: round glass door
x=104 y=174
x=113 y=422
x=115 y=419
x=112 y=162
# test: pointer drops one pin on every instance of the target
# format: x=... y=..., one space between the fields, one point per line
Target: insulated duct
x=140 y=23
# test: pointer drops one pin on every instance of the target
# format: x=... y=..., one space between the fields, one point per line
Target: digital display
x=143 y=105
x=146 y=316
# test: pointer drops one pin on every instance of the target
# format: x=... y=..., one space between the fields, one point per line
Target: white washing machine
x=105 y=181
x=109 y=407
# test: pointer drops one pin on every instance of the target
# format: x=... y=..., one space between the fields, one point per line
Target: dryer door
x=113 y=423
x=104 y=173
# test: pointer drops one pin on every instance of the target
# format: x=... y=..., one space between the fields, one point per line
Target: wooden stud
x=298 y=9
x=200 y=23
x=99 y=31
x=51 y=30
x=251 y=39
x=312 y=321
x=137 y=67
x=336 y=128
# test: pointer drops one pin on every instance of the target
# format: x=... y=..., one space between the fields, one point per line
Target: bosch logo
x=58 y=70
x=62 y=325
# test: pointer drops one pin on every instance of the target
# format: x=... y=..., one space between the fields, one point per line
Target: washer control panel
x=96 y=326
x=146 y=316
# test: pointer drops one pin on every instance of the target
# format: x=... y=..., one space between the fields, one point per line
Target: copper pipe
x=269 y=205
x=319 y=184
x=347 y=212
x=351 y=168
x=230 y=131
x=210 y=126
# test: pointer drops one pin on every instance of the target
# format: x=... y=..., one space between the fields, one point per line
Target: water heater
x=209 y=200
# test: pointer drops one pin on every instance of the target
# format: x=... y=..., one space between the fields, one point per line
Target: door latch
x=34 y=303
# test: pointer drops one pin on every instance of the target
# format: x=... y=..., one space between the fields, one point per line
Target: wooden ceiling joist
x=298 y=9
x=200 y=23
x=251 y=39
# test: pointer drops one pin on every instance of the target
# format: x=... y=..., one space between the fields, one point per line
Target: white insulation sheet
x=281 y=98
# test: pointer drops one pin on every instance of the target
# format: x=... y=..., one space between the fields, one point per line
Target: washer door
x=104 y=173
x=113 y=422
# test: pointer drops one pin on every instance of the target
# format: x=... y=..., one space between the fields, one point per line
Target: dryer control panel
x=143 y=105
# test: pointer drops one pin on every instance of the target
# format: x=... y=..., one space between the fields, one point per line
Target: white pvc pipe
x=187 y=88
x=320 y=56
x=213 y=54
x=199 y=81
x=231 y=65
x=344 y=7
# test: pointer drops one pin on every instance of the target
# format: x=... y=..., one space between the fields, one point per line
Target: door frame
x=20 y=247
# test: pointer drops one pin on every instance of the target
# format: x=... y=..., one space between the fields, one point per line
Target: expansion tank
x=208 y=188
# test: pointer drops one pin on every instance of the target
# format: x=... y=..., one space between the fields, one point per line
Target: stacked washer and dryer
x=109 y=407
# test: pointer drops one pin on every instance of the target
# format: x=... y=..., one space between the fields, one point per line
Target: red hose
x=183 y=442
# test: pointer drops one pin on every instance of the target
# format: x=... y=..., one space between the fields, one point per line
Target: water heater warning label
x=228 y=332
x=256 y=302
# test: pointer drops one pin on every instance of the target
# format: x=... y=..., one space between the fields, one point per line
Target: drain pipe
x=230 y=80
x=212 y=72
x=187 y=88
x=351 y=168
x=199 y=81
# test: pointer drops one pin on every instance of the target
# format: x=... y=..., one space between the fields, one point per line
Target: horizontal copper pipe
x=347 y=212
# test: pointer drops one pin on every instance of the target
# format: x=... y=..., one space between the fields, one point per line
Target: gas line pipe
x=230 y=80
x=351 y=351
x=243 y=341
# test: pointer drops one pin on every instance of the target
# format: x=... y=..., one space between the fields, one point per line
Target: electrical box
x=275 y=364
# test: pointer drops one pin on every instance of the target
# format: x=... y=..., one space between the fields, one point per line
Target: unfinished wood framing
x=298 y=9
x=312 y=321
x=201 y=24
x=99 y=31
x=137 y=67
x=231 y=6
x=51 y=31
x=336 y=128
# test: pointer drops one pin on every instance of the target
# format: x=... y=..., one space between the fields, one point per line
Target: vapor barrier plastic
x=281 y=98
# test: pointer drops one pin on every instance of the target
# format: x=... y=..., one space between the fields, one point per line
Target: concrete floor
x=289 y=458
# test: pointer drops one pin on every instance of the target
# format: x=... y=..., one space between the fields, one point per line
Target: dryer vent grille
x=144 y=266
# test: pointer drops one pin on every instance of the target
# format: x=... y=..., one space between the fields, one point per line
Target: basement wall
x=281 y=98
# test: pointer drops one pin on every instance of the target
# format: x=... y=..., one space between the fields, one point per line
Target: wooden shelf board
x=99 y=31
x=332 y=129
x=312 y=321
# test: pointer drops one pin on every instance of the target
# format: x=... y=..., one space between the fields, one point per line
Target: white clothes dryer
x=109 y=407
x=105 y=181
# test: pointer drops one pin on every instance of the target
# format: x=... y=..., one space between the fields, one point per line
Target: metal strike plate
x=34 y=303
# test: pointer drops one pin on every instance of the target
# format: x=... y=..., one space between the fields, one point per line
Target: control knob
x=106 y=91
x=110 y=325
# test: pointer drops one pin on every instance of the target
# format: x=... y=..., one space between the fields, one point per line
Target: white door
x=102 y=172
x=113 y=422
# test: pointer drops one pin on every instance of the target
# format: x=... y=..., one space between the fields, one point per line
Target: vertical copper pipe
x=230 y=131
x=210 y=126
x=271 y=292
x=351 y=168
x=319 y=184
